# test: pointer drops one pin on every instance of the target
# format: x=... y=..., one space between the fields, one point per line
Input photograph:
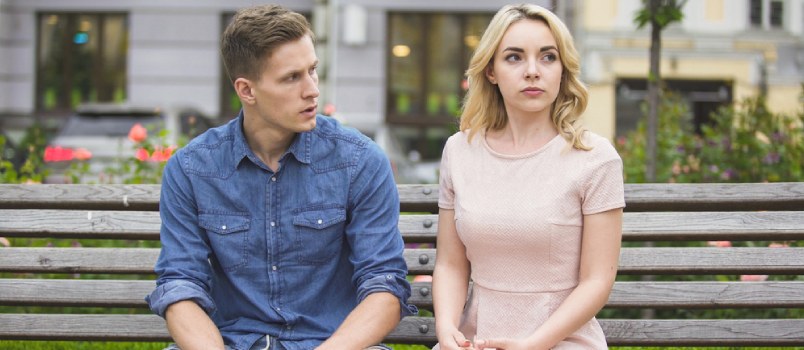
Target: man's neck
x=267 y=142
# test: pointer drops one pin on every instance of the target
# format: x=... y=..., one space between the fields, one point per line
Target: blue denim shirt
x=288 y=254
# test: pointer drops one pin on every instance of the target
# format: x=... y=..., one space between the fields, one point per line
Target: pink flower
x=137 y=133
x=162 y=154
x=778 y=245
x=423 y=278
x=329 y=109
x=4 y=242
x=82 y=154
x=753 y=278
x=719 y=244
x=142 y=154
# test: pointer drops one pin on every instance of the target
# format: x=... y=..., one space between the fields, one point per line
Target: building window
x=81 y=57
x=428 y=54
x=766 y=14
x=703 y=97
x=230 y=103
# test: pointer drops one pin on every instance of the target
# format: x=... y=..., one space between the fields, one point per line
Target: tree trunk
x=653 y=92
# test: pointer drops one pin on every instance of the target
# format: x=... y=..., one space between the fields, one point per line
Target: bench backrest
x=118 y=228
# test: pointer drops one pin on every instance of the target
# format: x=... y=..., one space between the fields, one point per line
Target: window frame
x=423 y=119
x=63 y=104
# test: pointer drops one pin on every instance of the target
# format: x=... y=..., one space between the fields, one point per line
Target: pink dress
x=520 y=218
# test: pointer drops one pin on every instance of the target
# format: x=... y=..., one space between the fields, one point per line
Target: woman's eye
x=512 y=58
x=550 y=57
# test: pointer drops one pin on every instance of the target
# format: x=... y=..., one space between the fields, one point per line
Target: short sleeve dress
x=520 y=219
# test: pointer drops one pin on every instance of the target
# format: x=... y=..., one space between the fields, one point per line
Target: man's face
x=286 y=94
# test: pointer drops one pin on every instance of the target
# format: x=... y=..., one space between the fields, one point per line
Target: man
x=279 y=229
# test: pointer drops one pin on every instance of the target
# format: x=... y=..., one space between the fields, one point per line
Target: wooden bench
x=660 y=213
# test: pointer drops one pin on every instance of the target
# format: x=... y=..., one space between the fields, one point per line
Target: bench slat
x=421 y=261
x=663 y=226
x=709 y=295
x=421 y=329
x=423 y=198
x=75 y=196
x=130 y=260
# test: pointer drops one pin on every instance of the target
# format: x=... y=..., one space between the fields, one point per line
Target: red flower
x=58 y=154
x=82 y=154
x=142 y=154
x=137 y=133
x=719 y=244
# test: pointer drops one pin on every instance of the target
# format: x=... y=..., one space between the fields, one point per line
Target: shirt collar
x=300 y=148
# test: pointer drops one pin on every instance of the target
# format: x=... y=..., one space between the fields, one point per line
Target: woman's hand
x=504 y=344
x=454 y=340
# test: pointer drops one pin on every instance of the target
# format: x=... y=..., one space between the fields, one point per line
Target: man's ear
x=243 y=88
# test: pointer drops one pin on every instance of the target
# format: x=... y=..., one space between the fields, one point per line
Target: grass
x=82 y=345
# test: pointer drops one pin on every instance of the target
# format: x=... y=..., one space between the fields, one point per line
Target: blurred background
x=393 y=69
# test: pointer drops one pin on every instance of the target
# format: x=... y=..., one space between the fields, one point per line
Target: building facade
x=391 y=68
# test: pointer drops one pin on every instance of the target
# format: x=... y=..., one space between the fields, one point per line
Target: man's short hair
x=254 y=33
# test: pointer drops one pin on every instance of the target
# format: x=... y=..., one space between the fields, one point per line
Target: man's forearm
x=191 y=327
x=367 y=324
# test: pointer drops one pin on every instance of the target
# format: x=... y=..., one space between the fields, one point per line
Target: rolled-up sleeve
x=174 y=291
x=377 y=245
x=183 y=268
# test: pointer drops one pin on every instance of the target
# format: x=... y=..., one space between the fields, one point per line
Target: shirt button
x=289 y=327
x=273 y=267
x=273 y=224
x=223 y=227
x=320 y=221
x=273 y=179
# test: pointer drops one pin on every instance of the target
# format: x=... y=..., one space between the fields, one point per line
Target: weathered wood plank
x=88 y=224
x=421 y=261
x=66 y=292
x=714 y=226
x=146 y=328
x=705 y=295
x=423 y=198
x=421 y=330
x=712 y=261
x=75 y=196
x=130 y=260
x=715 y=196
x=662 y=226
x=704 y=332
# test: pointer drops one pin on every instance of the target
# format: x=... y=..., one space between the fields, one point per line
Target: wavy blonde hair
x=484 y=108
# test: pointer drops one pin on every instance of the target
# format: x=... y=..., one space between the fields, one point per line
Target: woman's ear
x=244 y=91
x=490 y=74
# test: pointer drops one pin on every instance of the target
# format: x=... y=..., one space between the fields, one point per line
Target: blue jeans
x=262 y=344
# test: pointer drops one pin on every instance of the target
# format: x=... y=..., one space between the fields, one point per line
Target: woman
x=530 y=203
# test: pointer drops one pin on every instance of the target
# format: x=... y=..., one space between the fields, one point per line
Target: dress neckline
x=541 y=149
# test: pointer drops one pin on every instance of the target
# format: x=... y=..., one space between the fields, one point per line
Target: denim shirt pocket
x=228 y=237
x=319 y=234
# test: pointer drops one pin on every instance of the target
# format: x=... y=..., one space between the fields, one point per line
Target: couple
x=280 y=228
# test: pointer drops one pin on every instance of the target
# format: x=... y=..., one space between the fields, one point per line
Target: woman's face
x=526 y=68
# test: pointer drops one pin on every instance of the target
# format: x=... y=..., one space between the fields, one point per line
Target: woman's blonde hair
x=484 y=108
